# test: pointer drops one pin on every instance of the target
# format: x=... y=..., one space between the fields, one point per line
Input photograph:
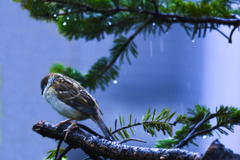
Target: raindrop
x=67 y=18
x=115 y=81
x=204 y=137
x=153 y=24
x=57 y=18
x=192 y=40
x=110 y=20
x=174 y=18
x=140 y=8
x=64 y=23
x=229 y=44
x=55 y=15
x=69 y=10
x=75 y=19
x=166 y=32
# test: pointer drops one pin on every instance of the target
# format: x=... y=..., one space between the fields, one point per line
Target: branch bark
x=96 y=147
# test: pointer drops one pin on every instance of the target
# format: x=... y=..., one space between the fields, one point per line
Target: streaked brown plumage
x=71 y=100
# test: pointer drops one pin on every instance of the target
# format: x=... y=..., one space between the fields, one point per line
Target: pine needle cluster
x=94 y=19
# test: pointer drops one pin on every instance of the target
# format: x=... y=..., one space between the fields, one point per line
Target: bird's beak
x=42 y=92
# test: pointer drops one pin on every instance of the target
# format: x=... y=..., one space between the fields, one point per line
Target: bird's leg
x=66 y=121
x=72 y=126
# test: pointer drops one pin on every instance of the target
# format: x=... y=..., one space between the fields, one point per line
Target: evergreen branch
x=65 y=152
x=196 y=127
x=113 y=60
x=138 y=124
x=151 y=123
x=165 y=17
x=185 y=141
x=192 y=134
x=199 y=125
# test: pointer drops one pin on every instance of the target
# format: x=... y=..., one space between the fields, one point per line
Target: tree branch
x=96 y=147
x=165 y=17
x=58 y=147
x=64 y=152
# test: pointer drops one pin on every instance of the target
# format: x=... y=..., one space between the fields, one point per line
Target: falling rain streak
x=161 y=45
x=151 y=48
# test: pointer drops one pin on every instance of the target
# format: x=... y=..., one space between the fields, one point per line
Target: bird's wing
x=73 y=94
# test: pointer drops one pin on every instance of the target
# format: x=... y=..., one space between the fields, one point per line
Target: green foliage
x=90 y=19
x=52 y=154
x=166 y=143
x=151 y=123
x=97 y=76
x=94 y=19
x=199 y=125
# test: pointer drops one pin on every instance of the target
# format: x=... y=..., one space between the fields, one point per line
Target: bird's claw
x=72 y=126
x=62 y=122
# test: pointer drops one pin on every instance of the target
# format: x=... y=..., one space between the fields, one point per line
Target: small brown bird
x=71 y=100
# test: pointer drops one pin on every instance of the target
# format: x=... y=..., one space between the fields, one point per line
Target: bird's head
x=48 y=80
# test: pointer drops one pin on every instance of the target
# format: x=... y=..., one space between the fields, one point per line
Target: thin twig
x=117 y=4
x=200 y=123
x=135 y=124
x=224 y=35
x=58 y=147
x=230 y=37
x=205 y=131
x=132 y=139
x=192 y=134
x=156 y=7
x=64 y=152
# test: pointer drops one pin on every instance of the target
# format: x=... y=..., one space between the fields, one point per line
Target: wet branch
x=95 y=146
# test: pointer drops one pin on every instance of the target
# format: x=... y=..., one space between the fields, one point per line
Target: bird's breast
x=62 y=108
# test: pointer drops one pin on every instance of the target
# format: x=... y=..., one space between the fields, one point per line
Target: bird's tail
x=98 y=120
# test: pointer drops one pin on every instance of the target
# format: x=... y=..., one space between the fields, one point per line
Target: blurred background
x=170 y=70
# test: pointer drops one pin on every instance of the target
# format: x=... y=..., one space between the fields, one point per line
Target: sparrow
x=73 y=101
